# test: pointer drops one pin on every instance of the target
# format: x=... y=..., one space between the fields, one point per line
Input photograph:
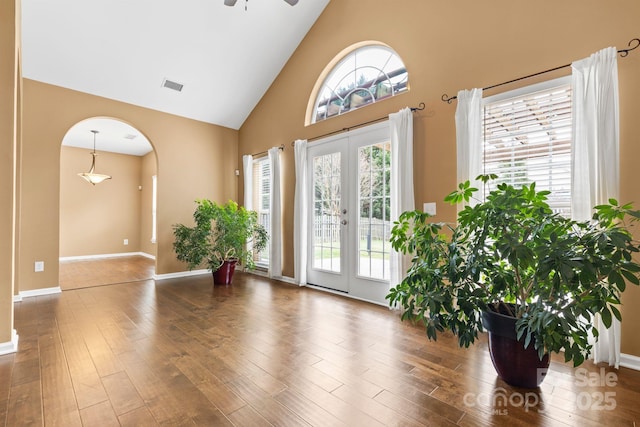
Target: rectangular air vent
x=169 y=84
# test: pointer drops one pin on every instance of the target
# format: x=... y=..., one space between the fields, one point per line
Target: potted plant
x=533 y=278
x=223 y=235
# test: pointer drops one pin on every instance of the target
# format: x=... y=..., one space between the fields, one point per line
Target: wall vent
x=169 y=84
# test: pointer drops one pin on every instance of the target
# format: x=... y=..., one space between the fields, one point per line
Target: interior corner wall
x=9 y=122
x=148 y=170
x=96 y=219
x=446 y=47
x=195 y=160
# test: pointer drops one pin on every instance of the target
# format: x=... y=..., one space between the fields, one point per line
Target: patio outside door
x=349 y=225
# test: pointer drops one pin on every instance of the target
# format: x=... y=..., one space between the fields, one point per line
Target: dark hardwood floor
x=182 y=353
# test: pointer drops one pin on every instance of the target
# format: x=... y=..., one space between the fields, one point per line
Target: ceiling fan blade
x=230 y=2
x=292 y=2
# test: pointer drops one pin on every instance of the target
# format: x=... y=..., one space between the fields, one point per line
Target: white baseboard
x=199 y=272
x=258 y=272
x=11 y=346
x=146 y=255
x=103 y=256
x=343 y=294
x=286 y=279
x=36 y=293
x=263 y=273
x=630 y=361
x=180 y=274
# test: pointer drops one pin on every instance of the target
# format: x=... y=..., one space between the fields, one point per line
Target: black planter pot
x=516 y=365
x=224 y=274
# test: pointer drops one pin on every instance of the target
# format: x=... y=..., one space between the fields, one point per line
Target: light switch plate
x=430 y=208
x=39 y=266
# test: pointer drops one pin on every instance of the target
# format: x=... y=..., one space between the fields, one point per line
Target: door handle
x=343 y=222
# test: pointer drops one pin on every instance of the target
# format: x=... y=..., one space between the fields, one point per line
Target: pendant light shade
x=91 y=176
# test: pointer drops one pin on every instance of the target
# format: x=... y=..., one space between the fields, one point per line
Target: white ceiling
x=113 y=135
x=225 y=57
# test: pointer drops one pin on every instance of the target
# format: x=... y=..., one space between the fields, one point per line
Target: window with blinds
x=527 y=138
x=262 y=203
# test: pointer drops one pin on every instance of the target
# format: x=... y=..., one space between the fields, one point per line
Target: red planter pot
x=224 y=274
x=516 y=365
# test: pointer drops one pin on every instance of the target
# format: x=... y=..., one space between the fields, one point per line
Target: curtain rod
x=420 y=107
x=262 y=153
x=622 y=52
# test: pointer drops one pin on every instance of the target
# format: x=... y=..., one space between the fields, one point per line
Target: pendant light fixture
x=91 y=176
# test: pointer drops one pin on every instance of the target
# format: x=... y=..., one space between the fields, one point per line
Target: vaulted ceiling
x=226 y=57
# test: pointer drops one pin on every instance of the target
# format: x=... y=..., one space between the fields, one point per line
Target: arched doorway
x=107 y=229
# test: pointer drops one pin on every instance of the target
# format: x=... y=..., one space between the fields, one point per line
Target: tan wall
x=448 y=46
x=95 y=220
x=148 y=170
x=9 y=121
x=195 y=160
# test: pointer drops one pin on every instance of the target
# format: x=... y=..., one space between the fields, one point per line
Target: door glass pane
x=374 y=163
x=326 y=215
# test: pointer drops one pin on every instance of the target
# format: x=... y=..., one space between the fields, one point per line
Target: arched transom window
x=364 y=76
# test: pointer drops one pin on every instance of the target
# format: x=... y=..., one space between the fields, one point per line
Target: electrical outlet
x=39 y=266
x=126 y=241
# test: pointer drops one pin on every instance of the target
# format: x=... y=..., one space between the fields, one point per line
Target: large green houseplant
x=223 y=235
x=510 y=254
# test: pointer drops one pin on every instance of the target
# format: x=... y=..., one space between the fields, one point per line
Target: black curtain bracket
x=633 y=44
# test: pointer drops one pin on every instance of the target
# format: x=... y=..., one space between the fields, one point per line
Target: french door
x=349 y=207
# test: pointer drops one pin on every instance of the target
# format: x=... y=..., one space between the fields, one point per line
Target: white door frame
x=347 y=281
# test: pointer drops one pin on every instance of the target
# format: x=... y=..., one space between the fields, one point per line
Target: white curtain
x=300 y=238
x=469 y=138
x=247 y=165
x=402 y=196
x=596 y=158
x=275 y=205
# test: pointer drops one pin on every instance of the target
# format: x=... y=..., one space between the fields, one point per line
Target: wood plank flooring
x=107 y=271
x=181 y=352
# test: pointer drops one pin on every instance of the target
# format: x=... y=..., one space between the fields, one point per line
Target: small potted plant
x=532 y=277
x=223 y=236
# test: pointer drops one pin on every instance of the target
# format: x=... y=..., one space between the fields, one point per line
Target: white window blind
x=527 y=138
x=261 y=203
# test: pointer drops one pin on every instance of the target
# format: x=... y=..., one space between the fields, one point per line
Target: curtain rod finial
x=448 y=100
x=625 y=52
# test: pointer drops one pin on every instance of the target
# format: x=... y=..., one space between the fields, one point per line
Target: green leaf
x=616 y=312
x=630 y=277
x=527 y=339
x=606 y=317
x=617 y=279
